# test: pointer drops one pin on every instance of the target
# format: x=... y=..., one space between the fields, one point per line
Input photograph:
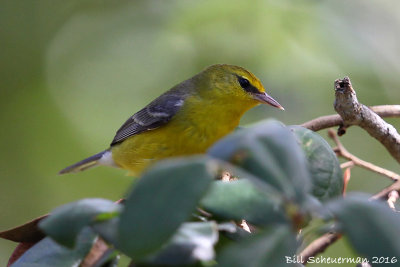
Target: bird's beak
x=267 y=99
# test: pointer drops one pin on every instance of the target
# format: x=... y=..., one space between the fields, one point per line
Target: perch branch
x=355 y=113
x=318 y=246
x=341 y=151
x=324 y=122
x=351 y=112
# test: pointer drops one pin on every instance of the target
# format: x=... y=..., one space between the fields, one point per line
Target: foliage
x=48 y=253
x=178 y=214
x=323 y=164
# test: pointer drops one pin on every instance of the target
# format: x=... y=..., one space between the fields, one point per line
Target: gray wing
x=154 y=115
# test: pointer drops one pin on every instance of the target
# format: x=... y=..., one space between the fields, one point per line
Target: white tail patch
x=107 y=160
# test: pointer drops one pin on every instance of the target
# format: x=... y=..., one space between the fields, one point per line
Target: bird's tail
x=85 y=164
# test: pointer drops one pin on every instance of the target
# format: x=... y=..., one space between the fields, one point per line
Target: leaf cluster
x=180 y=214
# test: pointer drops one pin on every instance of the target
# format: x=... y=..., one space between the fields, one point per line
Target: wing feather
x=154 y=115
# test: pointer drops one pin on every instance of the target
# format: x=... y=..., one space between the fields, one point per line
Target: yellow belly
x=171 y=140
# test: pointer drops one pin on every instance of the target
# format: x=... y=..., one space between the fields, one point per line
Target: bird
x=185 y=120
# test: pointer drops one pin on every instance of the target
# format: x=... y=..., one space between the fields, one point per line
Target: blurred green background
x=71 y=72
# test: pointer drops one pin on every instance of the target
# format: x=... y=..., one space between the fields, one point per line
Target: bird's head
x=236 y=84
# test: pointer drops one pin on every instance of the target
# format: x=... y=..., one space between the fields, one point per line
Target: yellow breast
x=193 y=130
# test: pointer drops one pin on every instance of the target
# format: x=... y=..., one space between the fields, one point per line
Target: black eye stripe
x=246 y=85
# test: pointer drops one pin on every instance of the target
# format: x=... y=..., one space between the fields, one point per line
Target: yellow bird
x=185 y=120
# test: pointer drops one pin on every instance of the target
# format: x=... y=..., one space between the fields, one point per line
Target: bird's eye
x=244 y=83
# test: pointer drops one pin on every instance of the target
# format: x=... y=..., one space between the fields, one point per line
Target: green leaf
x=241 y=199
x=161 y=201
x=108 y=230
x=326 y=174
x=47 y=253
x=372 y=227
x=231 y=231
x=193 y=242
x=269 y=151
x=65 y=223
x=269 y=248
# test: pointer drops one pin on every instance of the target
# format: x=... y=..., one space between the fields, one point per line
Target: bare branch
x=318 y=246
x=97 y=251
x=348 y=164
x=342 y=152
x=384 y=194
x=355 y=113
x=324 y=122
x=351 y=112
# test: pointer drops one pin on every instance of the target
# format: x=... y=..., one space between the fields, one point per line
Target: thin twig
x=97 y=251
x=318 y=246
x=325 y=122
x=392 y=198
x=342 y=152
x=384 y=194
x=348 y=164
